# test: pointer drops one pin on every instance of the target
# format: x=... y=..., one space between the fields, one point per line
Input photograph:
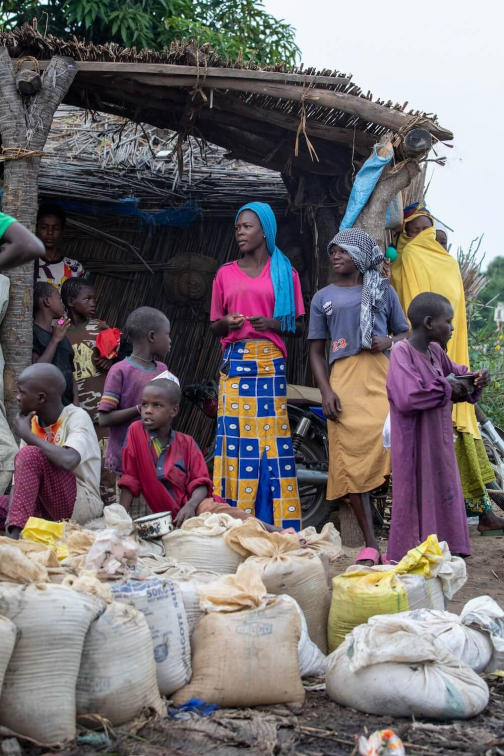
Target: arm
x=21 y=246
x=58 y=334
x=61 y=456
x=129 y=482
x=407 y=390
x=330 y=401
x=232 y=322
x=126 y=498
x=200 y=485
x=259 y=323
x=75 y=392
x=117 y=417
x=190 y=507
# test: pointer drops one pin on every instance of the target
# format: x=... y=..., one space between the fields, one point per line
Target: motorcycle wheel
x=315 y=508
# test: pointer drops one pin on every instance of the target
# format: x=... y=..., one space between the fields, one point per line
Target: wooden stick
x=228 y=73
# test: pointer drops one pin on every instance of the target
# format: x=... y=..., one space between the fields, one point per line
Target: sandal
x=368 y=554
x=384 y=560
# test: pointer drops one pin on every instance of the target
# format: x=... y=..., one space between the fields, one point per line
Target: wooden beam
x=228 y=73
x=347 y=103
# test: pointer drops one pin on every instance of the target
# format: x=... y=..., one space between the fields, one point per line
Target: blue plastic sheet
x=364 y=183
x=183 y=216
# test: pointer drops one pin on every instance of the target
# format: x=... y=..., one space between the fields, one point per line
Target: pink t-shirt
x=235 y=291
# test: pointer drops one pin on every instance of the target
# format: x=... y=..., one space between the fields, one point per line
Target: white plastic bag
x=386 y=434
x=162 y=605
x=414 y=676
x=200 y=543
x=38 y=695
x=312 y=662
x=117 y=676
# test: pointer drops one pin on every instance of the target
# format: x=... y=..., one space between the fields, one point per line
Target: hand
x=459 y=389
x=380 y=344
x=234 y=321
x=259 y=323
x=331 y=405
x=187 y=511
x=482 y=378
x=102 y=363
x=386 y=269
x=60 y=329
x=22 y=425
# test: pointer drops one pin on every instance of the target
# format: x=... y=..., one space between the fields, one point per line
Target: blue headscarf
x=281 y=269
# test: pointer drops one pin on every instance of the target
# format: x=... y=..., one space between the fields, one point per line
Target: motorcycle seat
x=303 y=395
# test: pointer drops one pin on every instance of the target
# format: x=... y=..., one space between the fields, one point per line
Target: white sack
x=417 y=677
x=38 y=695
x=200 y=543
x=162 y=605
x=7 y=642
x=117 y=676
x=190 y=580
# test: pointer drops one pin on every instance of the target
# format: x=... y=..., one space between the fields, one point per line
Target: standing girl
x=361 y=315
x=254 y=301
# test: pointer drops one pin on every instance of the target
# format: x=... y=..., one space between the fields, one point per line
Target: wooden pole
x=25 y=124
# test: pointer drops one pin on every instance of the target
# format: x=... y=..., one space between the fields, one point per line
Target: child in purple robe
x=422 y=383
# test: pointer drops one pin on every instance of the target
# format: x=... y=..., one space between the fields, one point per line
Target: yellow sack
x=417 y=582
x=48 y=533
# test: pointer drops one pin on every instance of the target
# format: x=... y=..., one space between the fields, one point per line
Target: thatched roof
x=98 y=158
x=264 y=116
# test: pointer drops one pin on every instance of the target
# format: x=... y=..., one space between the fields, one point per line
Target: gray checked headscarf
x=366 y=256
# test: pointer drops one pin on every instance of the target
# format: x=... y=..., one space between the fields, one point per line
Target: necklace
x=142 y=359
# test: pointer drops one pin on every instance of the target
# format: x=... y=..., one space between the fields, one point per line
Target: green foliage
x=486 y=350
x=229 y=25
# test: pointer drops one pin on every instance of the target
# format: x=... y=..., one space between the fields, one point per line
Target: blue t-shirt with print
x=335 y=315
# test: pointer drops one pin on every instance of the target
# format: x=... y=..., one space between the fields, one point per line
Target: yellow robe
x=423 y=265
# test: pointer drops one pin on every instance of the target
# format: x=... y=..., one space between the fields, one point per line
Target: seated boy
x=57 y=468
x=166 y=466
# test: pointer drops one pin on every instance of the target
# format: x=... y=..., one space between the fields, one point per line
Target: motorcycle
x=309 y=439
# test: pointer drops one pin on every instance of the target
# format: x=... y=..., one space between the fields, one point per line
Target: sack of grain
x=287 y=569
x=327 y=544
x=425 y=579
x=403 y=675
x=200 y=543
x=161 y=603
x=190 y=581
x=7 y=642
x=117 y=676
x=245 y=656
x=38 y=695
x=16 y=567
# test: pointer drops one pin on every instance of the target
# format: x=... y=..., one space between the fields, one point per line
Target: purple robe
x=426 y=488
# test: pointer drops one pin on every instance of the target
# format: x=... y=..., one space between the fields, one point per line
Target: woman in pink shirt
x=255 y=300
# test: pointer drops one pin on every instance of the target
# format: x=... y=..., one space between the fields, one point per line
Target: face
x=160 y=339
x=84 y=303
x=55 y=304
x=249 y=233
x=156 y=409
x=417 y=225
x=28 y=398
x=441 y=328
x=442 y=239
x=341 y=261
x=49 y=230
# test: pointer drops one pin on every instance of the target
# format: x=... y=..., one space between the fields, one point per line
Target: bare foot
x=490 y=521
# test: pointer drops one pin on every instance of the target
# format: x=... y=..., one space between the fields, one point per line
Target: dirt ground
x=322 y=728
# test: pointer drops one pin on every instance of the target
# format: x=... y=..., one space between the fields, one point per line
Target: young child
x=57 y=468
x=90 y=370
x=149 y=331
x=50 y=343
x=167 y=467
x=422 y=383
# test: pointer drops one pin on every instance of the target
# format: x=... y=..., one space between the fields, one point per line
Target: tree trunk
x=24 y=123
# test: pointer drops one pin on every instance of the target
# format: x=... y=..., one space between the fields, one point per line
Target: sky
x=448 y=60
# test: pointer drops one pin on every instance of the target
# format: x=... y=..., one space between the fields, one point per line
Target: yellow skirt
x=358 y=463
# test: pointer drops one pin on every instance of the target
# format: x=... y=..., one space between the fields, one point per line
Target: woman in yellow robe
x=422 y=264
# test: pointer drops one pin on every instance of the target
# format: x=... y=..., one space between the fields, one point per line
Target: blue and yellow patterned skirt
x=254 y=467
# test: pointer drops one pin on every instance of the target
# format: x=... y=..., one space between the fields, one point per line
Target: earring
x=264 y=236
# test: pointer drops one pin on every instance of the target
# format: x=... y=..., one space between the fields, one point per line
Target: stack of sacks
x=426 y=578
x=287 y=569
x=245 y=649
x=476 y=637
x=200 y=543
x=327 y=544
x=190 y=581
x=393 y=667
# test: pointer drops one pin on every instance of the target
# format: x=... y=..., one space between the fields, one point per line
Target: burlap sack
x=200 y=543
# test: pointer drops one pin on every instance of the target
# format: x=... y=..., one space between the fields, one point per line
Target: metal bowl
x=154 y=526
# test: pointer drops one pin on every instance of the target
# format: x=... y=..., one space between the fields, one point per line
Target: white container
x=155 y=525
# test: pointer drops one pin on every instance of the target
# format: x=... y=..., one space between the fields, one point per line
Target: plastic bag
x=386 y=433
x=112 y=552
x=47 y=532
x=422 y=580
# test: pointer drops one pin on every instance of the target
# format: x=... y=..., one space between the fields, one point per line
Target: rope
x=198 y=88
x=18 y=153
x=302 y=125
x=25 y=59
